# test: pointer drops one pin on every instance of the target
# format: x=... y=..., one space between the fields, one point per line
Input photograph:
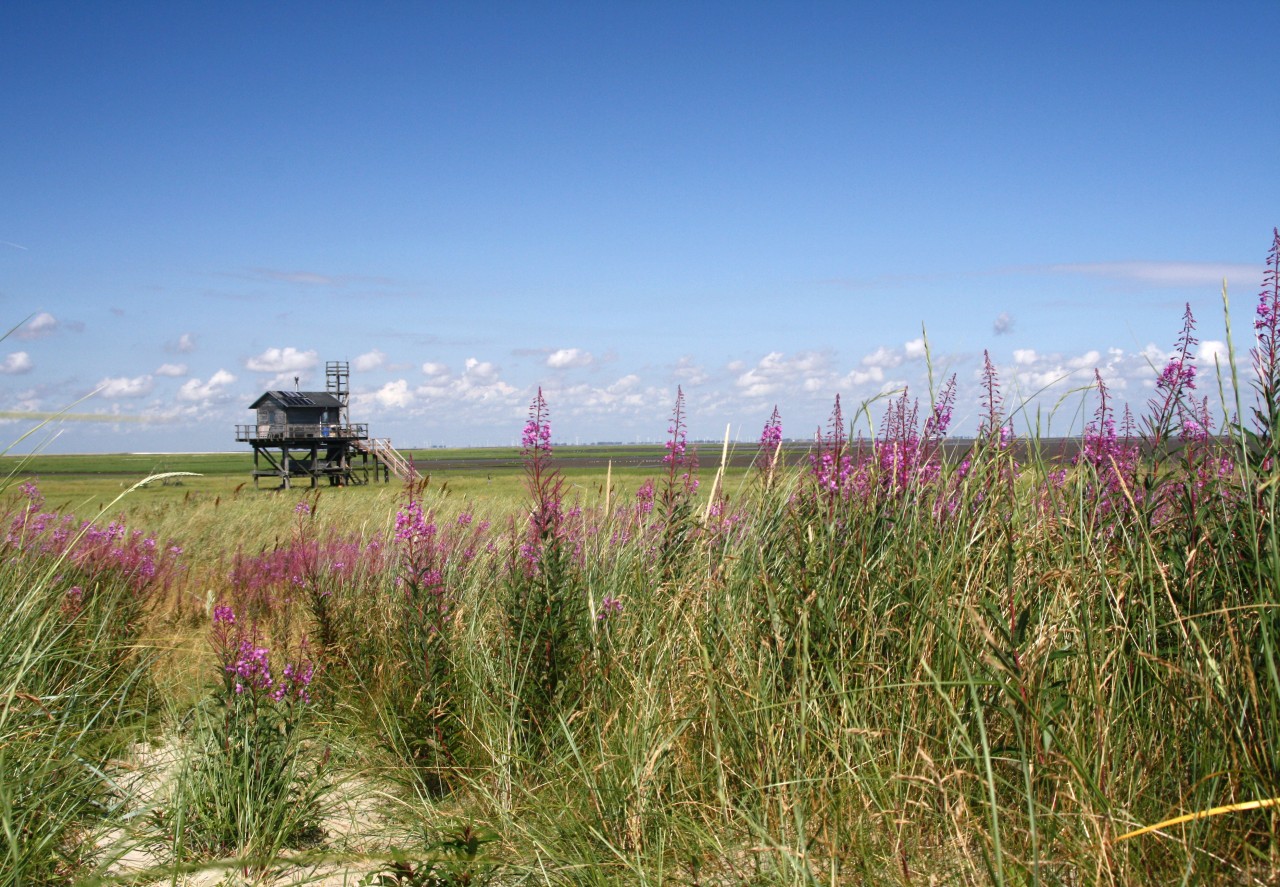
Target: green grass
x=826 y=693
x=490 y=477
x=995 y=667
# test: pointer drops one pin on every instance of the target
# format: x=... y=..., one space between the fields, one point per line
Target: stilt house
x=308 y=434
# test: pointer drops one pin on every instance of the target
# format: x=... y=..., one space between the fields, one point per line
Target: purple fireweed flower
x=899 y=452
x=771 y=435
x=73 y=600
x=831 y=468
x=536 y=438
x=677 y=456
x=130 y=555
x=992 y=402
x=34 y=496
x=542 y=480
x=644 y=497
x=1193 y=430
x=302 y=508
x=935 y=427
x=675 y=450
x=1177 y=375
x=770 y=445
x=679 y=485
x=251 y=668
x=1113 y=458
x=1265 y=353
x=258 y=581
x=1168 y=409
x=609 y=607
x=246 y=663
x=529 y=553
x=413 y=526
x=294 y=683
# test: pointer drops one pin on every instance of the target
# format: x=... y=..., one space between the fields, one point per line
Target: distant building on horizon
x=309 y=434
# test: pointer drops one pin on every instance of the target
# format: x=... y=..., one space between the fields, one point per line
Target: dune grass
x=898 y=664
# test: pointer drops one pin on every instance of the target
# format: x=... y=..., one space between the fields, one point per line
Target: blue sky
x=762 y=203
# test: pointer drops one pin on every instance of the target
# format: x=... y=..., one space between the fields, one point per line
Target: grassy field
x=904 y=663
x=88 y=483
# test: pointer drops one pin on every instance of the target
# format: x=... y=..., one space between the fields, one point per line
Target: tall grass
x=73 y=698
x=898 y=663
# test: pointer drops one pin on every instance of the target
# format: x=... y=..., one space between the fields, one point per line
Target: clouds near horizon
x=16 y=363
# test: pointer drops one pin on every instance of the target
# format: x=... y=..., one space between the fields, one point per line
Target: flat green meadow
x=91 y=482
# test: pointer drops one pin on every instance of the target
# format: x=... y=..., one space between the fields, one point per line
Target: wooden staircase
x=380 y=448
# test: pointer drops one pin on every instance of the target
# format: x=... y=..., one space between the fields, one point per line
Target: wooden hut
x=308 y=434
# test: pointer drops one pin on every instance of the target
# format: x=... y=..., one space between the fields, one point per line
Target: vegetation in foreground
x=903 y=668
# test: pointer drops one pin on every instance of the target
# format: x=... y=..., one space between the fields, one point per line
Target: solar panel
x=295 y=399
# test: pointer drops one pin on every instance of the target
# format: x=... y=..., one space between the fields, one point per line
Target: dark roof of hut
x=306 y=399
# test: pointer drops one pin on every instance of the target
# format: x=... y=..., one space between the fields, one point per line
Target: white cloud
x=479 y=383
x=625 y=396
x=369 y=361
x=1085 y=361
x=395 y=395
x=763 y=379
x=882 y=358
x=43 y=324
x=480 y=379
x=1155 y=356
x=914 y=350
x=445 y=402
x=172 y=369
x=1049 y=372
x=569 y=357
x=858 y=377
x=195 y=390
x=185 y=345
x=16 y=363
x=1211 y=349
x=1057 y=374
x=776 y=373
x=282 y=360
x=122 y=386
x=689 y=373
x=1179 y=274
x=1003 y=324
x=26 y=401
